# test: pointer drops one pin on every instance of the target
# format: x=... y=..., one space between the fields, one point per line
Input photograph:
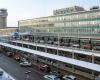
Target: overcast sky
x=26 y=9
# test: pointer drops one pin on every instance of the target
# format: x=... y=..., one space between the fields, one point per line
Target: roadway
x=13 y=68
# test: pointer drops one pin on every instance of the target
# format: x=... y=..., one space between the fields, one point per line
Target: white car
x=25 y=64
x=76 y=45
x=69 y=77
x=41 y=41
x=26 y=39
x=51 y=77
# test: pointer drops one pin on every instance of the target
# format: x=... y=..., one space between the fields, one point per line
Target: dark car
x=1 y=72
x=57 y=73
x=17 y=58
x=9 y=54
x=45 y=68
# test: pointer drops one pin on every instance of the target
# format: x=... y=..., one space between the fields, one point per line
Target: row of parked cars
x=51 y=75
x=58 y=76
x=55 y=75
x=22 y=61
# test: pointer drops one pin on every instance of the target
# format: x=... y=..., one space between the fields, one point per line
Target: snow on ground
x=6 y=76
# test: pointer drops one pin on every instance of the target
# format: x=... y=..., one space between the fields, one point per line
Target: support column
x=45 y=40
x=93 y=75
x=28 y=46
x=34 y=41
x=73 y=56
x=58 y=46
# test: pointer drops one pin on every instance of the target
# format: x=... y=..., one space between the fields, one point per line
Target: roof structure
x=74 y=50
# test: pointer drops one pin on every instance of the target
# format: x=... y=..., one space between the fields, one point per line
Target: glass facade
x=78 y=24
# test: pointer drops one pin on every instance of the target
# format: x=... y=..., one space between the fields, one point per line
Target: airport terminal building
x=75 y=35
x=82 y=24
x=74 y=23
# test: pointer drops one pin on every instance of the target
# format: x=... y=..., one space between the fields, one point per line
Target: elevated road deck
x=88 y=65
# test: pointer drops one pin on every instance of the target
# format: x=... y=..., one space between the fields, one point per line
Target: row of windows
x=72 y=17
x=69 y=30
x=83 y=23
x=76 y=17
x=70 y=24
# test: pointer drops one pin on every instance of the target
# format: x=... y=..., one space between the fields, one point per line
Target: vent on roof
x=94 y=8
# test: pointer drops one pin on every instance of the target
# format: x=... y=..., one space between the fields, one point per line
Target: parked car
x=25 y=64
x=41 y=41
x=23 y=60
x=1 y=72
x=45 y=68
x=50 y=42
x=87 y=47
x=76 y=45
x=17 y=57
x=54 y=72
x=69 y=77
x=9 y=54
x=51 y=77
x=27 y=39
x=57 y=73
x=56 y=43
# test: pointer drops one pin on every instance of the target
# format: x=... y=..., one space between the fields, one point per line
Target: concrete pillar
x=73 y=56
x=58 y=45
x=93 y=62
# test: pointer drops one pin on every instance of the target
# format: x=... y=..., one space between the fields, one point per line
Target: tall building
x=3 y=18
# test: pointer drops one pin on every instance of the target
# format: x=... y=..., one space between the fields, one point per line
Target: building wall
x=7 y=31
x=78 y=24
x=65 y=11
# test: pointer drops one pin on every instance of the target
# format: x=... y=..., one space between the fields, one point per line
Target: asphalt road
x=13 y=68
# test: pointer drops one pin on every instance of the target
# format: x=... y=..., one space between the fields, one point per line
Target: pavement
x=13 y=68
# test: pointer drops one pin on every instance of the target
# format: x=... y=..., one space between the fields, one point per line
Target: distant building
x=3 y=18
x=8 y=31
